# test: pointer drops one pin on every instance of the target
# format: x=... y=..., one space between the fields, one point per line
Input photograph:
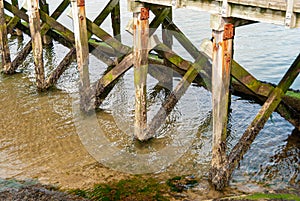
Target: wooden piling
x=37 y=48
x=4 y=48
x=82 y=51
x=167 y=38
x=140 y=52
x=223 y=33
x=116 y=21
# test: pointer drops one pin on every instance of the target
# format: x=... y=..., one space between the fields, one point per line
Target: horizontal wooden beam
x=262 y=11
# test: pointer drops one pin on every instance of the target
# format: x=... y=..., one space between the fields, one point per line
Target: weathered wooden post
x=223 y=34
x=82 y=51
x=167 y=38
x=140 y=53
x=116 y=21
x=5 y=53
x=45 y=7
x=37 y=48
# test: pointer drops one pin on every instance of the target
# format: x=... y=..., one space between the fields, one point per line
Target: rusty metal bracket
x=144 y=14
x=80 y=3
x=228 y=32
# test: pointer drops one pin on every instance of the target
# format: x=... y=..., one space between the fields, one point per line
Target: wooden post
x=82 y=51
x=35 y=31
x=116 y=21
x=223 y=34
x=45 y=7
x=140 y=53
x=5 y=53
x=167 y=38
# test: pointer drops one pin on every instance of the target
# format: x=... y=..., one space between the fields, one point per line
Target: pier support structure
x=167 y=39
x=140 y=56
x=37 y=46
x=120 y=58
x=223 y=33
x=82 y=51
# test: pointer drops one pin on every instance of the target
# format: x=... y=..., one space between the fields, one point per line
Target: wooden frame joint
x=228 y=32
x=80 y=3
x=144 y=14
x=290 y=18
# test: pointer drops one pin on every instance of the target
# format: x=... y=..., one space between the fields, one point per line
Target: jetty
x=212 y=67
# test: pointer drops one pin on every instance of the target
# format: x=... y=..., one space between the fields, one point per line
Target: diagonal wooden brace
x=222 y=177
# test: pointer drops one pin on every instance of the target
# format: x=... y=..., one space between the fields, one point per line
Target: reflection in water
x=109 y=137
x=285 y=164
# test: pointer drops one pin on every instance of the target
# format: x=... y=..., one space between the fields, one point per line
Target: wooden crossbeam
x=110 y=77
x=159 y=19
x=259 y=90
x=103 y=88
x=107 y=38
x=14 y=21
x=44 y=29
x=192 y=70
x=179 y=35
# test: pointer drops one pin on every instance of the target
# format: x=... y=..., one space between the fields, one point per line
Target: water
x=43 y=136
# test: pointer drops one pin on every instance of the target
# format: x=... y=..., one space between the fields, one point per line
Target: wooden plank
x=262 y=11
x=140 y=57
x=37 y=48
x=82 y=52
x=272 y=4
x=4 y=48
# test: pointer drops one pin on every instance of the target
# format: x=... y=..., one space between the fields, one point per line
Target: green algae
x=260 y=196
x=136 y=188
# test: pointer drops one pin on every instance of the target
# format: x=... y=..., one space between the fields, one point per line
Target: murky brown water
x=43 y=136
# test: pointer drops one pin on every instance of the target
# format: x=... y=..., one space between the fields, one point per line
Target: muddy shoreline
x=134 y=189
